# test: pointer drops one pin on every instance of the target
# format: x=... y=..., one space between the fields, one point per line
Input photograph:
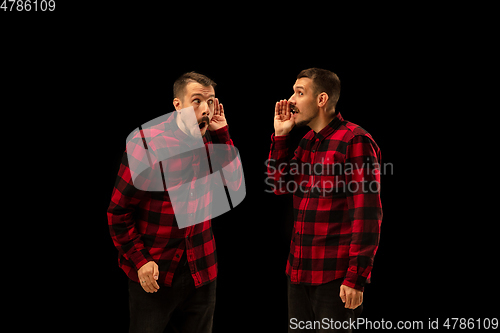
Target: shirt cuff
x=280 y=142
x=140 y=258
x=355 y=281
x=221 y=135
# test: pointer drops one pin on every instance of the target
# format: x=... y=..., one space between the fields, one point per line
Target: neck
x=320 y=122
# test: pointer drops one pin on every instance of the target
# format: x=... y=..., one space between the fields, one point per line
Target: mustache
x=204 y=119
x=293 y=108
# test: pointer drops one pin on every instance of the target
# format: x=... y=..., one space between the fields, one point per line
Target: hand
x=283 y=120
x=218 y=119
x=351 y=297
x=148 y=274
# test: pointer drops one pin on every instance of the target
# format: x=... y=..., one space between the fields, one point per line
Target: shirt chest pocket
x=328 y=172
x=333 y=158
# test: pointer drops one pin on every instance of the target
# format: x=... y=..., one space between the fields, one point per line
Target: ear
x=177 y=103
x=322 y=99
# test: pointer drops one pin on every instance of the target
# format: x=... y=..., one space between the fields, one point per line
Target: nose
x=292 y=99
x=205 y=109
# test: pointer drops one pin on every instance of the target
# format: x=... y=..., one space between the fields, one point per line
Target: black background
x=88 y=78
x=425 y=266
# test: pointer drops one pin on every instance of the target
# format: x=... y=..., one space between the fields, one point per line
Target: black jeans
x=318 y=308
x=179 y=308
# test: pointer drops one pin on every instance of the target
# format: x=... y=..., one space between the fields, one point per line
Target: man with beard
x=172 y=270
x=335 y=181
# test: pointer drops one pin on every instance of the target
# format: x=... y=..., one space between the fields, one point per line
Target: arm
x=127 y=240
x=124 y=200
x=365 y=208
x=278 y=162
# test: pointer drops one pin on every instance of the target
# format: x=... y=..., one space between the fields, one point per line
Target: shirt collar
x=331 y=127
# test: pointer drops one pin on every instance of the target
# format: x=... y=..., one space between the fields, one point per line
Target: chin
x=301 y=123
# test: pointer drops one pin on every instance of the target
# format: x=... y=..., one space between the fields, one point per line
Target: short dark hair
x=324 y=81
x=181 y=83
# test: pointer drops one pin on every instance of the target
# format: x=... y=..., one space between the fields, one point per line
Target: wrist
x=280 y=133
x=354 y=281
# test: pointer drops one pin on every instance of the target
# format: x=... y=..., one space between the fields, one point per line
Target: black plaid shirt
x=335 y=180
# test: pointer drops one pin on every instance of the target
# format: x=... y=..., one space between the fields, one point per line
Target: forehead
x=197 y=88
x=304 y=83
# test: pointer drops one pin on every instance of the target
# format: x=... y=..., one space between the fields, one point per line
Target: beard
x=303 y=122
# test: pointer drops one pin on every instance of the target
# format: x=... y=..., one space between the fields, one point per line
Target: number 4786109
x=471 y=323
x=28 y=5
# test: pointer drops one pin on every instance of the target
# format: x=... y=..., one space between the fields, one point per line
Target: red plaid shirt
x=143 y=225
x=335 y=180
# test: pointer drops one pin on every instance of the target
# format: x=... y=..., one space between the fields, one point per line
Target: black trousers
x=319 y=308
x=179 y=308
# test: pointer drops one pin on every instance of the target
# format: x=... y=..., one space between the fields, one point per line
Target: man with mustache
x=335 y=180
x=172 y=271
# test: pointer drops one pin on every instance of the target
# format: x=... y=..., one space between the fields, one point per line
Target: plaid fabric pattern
x=142 y=224
x=334 y=176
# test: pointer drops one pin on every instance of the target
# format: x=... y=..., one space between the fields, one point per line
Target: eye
x=210 y=101
x=197 y=101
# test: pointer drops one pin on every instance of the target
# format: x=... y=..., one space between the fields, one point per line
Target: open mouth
x=293 y=109
x=204 y=123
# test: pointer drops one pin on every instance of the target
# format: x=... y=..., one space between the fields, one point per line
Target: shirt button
x=177 y=256
x=191 y=194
